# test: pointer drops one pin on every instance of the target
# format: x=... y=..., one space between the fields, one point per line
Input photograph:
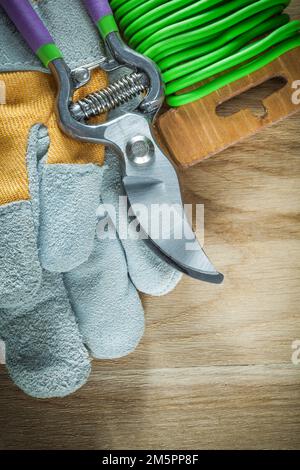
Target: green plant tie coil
x=203 y=45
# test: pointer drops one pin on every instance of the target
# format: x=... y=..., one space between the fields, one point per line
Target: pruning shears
x=149 y=176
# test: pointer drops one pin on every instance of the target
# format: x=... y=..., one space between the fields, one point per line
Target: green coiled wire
x=214 y=42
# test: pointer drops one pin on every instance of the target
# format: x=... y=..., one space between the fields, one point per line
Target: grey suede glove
x=65 y=293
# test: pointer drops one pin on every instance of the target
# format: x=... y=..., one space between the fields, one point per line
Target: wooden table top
x=214 y=369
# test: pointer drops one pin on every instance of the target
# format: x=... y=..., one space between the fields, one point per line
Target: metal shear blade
x=184 y=253
x=153 y=189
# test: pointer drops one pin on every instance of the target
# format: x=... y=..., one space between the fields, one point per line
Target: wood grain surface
x=214 y=369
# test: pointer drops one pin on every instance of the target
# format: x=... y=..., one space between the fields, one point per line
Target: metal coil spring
x=116 y=94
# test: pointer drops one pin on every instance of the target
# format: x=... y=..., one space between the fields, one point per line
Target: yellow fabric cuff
x=29 y=100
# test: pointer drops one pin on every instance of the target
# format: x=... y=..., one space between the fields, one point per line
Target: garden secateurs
x=149 y=176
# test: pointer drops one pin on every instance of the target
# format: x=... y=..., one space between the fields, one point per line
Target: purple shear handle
x=98 y=9
x=27 y=22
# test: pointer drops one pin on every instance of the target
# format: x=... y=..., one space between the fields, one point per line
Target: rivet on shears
x=140 y=151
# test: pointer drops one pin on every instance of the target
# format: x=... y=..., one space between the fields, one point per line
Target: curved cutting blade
x=153 y=191
x=166 y=225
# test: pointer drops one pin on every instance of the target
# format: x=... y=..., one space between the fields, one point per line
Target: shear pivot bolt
x=140 y=150
x=81 y=76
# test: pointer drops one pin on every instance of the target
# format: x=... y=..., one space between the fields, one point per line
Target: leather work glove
x=64 y=292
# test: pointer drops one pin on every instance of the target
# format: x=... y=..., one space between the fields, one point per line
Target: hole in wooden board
x=252 y=99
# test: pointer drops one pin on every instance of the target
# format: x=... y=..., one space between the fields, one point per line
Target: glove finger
x=149 y=273
x=70 y=180
x=69 y=197
x=20 y=271
x=107 y=306
x=45 y=355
